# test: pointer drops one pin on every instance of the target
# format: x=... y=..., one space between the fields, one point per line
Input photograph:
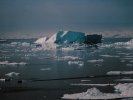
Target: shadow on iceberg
x=69 y=37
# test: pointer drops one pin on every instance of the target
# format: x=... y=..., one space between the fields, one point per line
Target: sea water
x=33 y=72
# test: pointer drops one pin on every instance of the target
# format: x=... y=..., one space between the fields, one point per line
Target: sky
x=23 y=16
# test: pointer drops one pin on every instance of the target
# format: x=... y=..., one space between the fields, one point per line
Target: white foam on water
x=12 y=74
x=79 y=63
x=122 y=91
x=96 y=60
x=120 y=73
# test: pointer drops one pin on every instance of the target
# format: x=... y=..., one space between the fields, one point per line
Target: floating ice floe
x=125 y=79
x=127 y=58
x=12 y=63
x=85 y=80
x=123 y=91
x=79 y=63
x=110 y=56
x=12 y=74
x=14 y=43
x=131 y=61
x=45 y=69
x=81 y=84
x=67 y=58
x=2 y=80
x=25 y=44
x=67 y=48
x=94 y=61
x=120 y=73
x=129 y=65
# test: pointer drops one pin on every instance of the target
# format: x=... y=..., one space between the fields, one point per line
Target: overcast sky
x=52 y=15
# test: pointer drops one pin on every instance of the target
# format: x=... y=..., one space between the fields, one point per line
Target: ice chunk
x=94 y=61
x=85 y=80
x=123 y=91
x=81 y=84
x=126 y=89
x=12 y=74
x=12 y=63
x=79 y=63
x=45 y=69
x=41 y=40
x=67 y=58
x=68 y=48
x=109 y=56
x=92 y=93
x=25 y=44
x=125 y=79
x=120 y=73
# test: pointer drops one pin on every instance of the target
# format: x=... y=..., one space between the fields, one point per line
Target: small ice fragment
x=81 y=84
x=12 y=74
x=2 y=80
x=79 y=63
x=120 y=73
x=128 y=80
x=110 y=56
x=44 y=69
x=85 y=80
x=25 y=44
x=129 y=65
x=94 y=61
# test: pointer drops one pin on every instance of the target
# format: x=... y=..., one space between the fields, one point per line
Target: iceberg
x=62 y=37
x=69 y=37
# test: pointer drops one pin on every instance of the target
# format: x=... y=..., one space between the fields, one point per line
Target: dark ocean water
x=27 y=68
